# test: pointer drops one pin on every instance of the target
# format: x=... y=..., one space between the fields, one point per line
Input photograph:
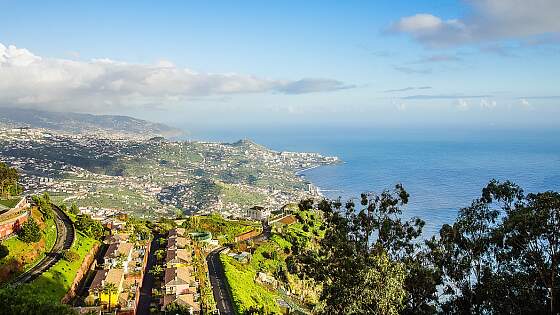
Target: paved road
x=219 y=282
x=148 y=281
x=64 y=240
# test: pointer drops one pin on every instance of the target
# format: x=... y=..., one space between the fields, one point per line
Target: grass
x=221 y=229
x=10 y=203
x=57 y=280
x=245 y=292
x=235 y=194
x=22 y=256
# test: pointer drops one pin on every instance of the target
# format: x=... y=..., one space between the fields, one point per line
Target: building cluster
x=156 y=177
x=180 y=284
x=118 y=279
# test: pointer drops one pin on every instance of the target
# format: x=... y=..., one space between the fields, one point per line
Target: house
x=178 y=242
x=177 y=232
x=117 y=238
x=257 y=213
x=187 y=300
x=118 y=255
x=180 y=280
x=178 y=257
x=101 y=279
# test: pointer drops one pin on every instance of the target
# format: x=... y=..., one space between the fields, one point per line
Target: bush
x=30 y=232
x=4 y=251
x=70 y=255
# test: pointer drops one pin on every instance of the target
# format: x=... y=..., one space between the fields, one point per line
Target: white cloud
x=488 y=104
x=463 y=105
x=101 y=84
x=525 y=104
x=487 y=20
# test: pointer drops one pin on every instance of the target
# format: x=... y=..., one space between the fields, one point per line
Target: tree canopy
x=8 y=180
x=500 y=256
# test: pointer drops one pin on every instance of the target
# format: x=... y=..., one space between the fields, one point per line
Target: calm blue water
x=443 y=170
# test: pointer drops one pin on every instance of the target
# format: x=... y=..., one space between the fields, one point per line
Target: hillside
x=85 y=123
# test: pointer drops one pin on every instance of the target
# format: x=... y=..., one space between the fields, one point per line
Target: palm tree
x=110 y=288
x=156 y=271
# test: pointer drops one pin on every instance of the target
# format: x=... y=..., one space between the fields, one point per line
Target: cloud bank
x=487 y=21
x=103 y=84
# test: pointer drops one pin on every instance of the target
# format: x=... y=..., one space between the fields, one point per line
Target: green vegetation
x=225 y=230
x=70 y=255
x=29 y=232
x=21 y=255
x=501 y=256
x=91 y=228
x=246 y=293
x=24 y=300
x=54 y=283
x=234 y=194
x=8 y=181
x=9 y=203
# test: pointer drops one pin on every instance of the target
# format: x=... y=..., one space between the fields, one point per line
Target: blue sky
x=476 y=62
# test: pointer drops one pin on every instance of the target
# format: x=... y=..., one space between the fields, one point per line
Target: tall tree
x=362 y=244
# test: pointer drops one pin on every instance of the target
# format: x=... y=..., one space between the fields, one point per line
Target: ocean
x=442 y=169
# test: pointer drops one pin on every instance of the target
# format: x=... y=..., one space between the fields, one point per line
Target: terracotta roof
x=119 y=248
x=106 y=276
x=188 y=299
x=179 y=276
x=177 y=232
x=288 y=220
x=177 y=242
x=178 y=256
x=183 y=299
x=114 y=276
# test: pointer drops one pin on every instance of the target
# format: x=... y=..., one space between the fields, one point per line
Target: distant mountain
x=85 y=123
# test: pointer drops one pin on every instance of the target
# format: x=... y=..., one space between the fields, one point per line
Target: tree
x=90 y=227
x=70 y=255
x=110 y=288
x=160 y=254
x=8 y=177
x=30 y=231
x=531 y=236
x=4 y=251
x=177 y=309
x=501 y=256
x=156 y=271
x=74 y=208
x=361 y=259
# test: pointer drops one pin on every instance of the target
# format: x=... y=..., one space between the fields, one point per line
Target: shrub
x=4 y=251
x=30 y=232
x=70 y=255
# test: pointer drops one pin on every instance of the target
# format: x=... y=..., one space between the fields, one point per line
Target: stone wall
x=82 y=272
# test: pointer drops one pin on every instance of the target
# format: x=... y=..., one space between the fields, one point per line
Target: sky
x=214 y=63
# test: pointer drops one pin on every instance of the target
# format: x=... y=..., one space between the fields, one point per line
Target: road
x=64 y=240
x=219 y=282
x=148 y=281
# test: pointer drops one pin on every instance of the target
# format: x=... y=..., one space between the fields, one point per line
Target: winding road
x=219 y=282
x=64 y=239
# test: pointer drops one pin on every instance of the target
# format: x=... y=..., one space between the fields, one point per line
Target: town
x=82 y=223
x=156 y=177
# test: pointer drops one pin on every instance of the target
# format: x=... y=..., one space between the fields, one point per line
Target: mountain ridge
x=82 y=123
